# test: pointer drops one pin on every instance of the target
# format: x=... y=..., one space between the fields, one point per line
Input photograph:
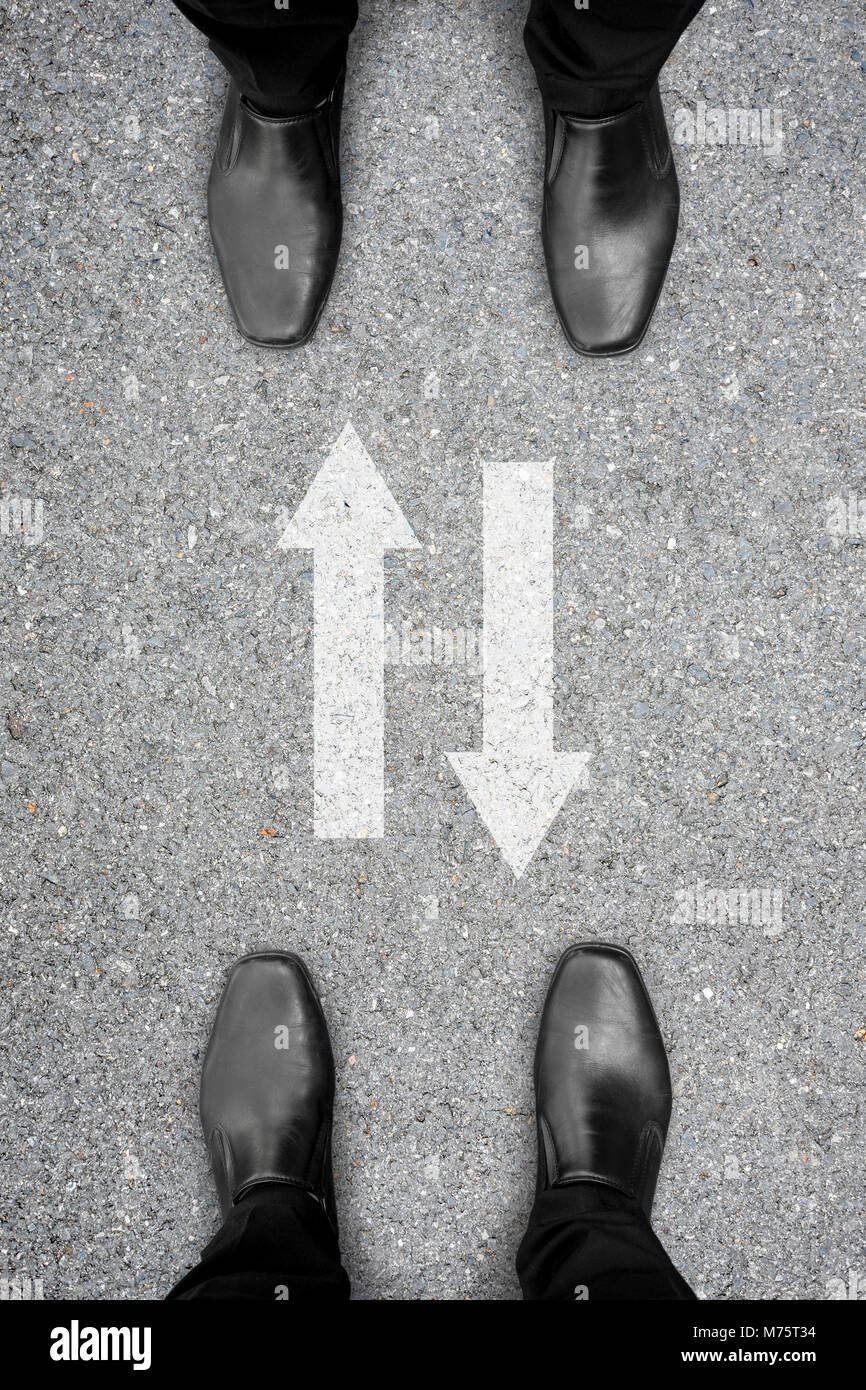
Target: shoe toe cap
x=277 y=257
x=607 y=317
x=279 y=313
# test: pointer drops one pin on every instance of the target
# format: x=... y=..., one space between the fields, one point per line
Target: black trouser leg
x=277 y=1243
x=283 y=60
x=599 y=60
x=590 y=1242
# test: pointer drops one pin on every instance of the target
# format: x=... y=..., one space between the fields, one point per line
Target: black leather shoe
x=276 y=217
x=602 y=1084
x=267 y=1088
x=611 y=203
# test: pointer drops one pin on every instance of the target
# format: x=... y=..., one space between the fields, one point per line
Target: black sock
x=263 y=107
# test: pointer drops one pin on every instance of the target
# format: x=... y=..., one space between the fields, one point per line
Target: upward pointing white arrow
x=348 y=518
x=518 y=783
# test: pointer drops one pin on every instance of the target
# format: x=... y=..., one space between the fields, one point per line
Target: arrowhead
x=348 y=497
x=518 y=798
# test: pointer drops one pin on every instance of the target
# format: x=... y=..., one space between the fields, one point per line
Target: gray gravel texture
x=157 y=652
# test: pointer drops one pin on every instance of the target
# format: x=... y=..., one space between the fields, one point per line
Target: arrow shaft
x=518 y=606
x=349 y=694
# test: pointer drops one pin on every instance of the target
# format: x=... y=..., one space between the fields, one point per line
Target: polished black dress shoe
x=611 y=203
x=602 y=1084
x=276 y=217
x=267 y=1088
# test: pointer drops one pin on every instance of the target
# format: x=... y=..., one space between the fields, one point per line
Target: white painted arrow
x=348 y=518
x=518 y=783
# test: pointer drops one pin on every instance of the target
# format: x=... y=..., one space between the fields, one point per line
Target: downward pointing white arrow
x=518 y=783
x=348 y=519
